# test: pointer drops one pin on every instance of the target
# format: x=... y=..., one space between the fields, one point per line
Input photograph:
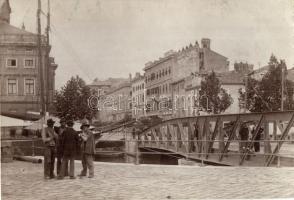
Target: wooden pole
x=282 y=92
x=48 y=88
x=246 y=95
x=41 y=71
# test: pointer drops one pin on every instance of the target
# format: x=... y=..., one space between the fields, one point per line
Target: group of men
x=64 y=143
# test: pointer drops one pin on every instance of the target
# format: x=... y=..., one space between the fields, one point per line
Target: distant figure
x=87 y=149
x=196 y=138
x=257 y=140
x=49 y=138
x=69 y=146
x=244 y=135
x=59 y=155
x=134 y=133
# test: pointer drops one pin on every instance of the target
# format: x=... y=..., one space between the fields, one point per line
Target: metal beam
x=202 y=134
x=191 y=135
x=279 y=145
x=217 y=124
x=249 y=146
x=182 y=134
x=169 y=134
x=236 y=124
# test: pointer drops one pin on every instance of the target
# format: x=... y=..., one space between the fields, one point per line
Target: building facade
x=20 y=68
x=138 y=96
x=116 y=105
x=161 y=74
x=185 y=93
x=101 y=87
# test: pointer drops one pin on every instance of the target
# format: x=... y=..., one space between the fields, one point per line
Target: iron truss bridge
x=218 y=138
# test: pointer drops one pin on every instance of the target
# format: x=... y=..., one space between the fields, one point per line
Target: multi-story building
x=138 y=96
x=116 y=105
x=185 y=93
x=20 y=68
x=174 y=66
x=101 y=87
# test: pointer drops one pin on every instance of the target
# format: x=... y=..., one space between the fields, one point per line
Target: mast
x=283 y=88
x=41 y=71
x=48 y=88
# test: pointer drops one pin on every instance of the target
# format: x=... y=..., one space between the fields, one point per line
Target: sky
x=112 y=38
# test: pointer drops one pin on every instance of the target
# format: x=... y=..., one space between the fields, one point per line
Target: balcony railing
x=23 y=39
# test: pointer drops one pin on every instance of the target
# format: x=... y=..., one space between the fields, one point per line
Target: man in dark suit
x=59 y=151
x=69 y=145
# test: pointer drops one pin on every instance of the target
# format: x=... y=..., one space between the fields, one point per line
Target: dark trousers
x=87 y=162
x=256 y=146
x=64 y=163
x=59 y=161
x=49 y=159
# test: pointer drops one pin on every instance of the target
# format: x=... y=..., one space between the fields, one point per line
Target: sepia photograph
x=147 y=99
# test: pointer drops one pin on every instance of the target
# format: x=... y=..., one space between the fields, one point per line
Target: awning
x=13 y=122
x=42 y=123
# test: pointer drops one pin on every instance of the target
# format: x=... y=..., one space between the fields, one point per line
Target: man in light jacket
x=49 y=138
x=87 y=149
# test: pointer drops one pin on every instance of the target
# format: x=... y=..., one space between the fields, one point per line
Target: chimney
x=23 y=27
x=205 y=43
x=5 y=11
x=130 y=77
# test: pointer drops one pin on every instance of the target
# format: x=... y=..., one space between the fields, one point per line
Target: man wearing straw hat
x=87 y=149
x=49 y=138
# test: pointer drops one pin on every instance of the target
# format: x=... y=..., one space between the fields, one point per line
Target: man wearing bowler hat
x=69 y=145
x=87 y=149
x=49 y=138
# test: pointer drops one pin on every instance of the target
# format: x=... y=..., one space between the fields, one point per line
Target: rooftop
x=12 y=34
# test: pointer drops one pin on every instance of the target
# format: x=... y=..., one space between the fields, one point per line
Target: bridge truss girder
x=196 y=137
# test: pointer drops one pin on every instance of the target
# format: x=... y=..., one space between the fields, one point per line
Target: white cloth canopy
x=42 y=123
x=13 y=122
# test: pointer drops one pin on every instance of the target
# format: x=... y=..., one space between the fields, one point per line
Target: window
x=11 y=63
x=29 y=86
x=11 y=86
x=29 y=50
x=152 y=76
x=29 y=63
x=169 y=70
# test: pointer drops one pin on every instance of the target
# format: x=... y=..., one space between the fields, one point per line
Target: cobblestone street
x=23 y=180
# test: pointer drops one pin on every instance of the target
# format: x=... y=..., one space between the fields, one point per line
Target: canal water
x=146 y=157
x=150 y=158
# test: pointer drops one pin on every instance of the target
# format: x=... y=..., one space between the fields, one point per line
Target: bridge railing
x=133 y=149
x=225 y=129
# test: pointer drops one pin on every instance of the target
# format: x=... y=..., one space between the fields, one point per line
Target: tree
x=212 y=97
x=72 y=100
x=265 y=95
